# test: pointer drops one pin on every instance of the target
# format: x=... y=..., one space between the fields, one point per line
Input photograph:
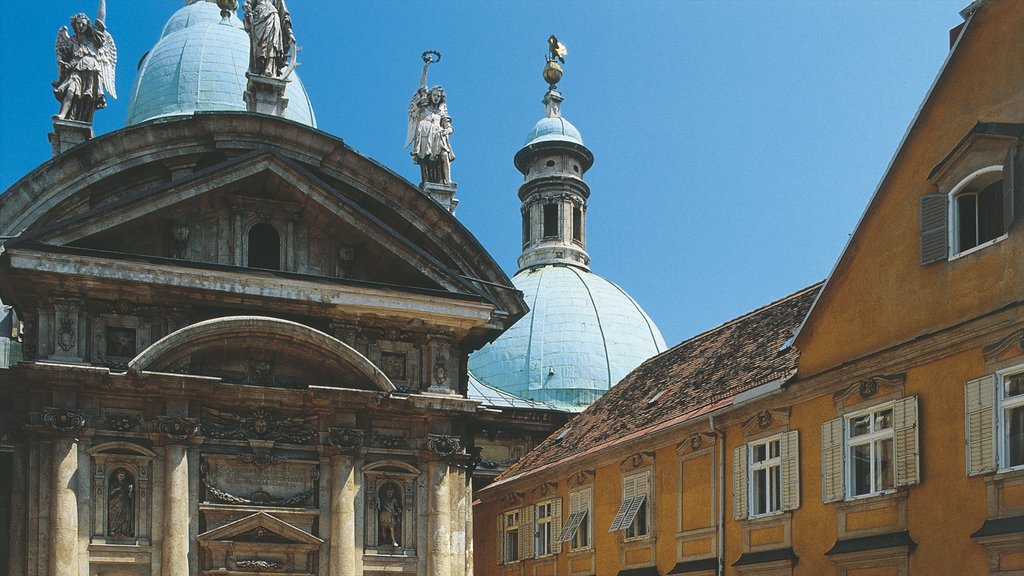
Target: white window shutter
x=500 y=546
x=739 y=482
x=934 y=235
x=905 y=429
x=527 y=533
x=980 y=409
x=556 y=526
x=832 y=460
x=789 y=451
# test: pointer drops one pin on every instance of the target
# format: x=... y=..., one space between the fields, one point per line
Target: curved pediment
x=192 y=188
x=262 y=351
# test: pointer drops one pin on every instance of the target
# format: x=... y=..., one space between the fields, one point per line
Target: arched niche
x=113 y=495
x=388 y=483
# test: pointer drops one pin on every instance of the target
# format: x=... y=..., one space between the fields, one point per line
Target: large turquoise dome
x=199 y=64
x=582 y=335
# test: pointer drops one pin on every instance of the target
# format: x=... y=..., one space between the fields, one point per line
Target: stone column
x=343 y=516
x=439 y=519
x=174 y=557
x=19 y=513
x=64 y=512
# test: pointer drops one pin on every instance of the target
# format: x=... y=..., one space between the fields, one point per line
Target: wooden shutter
x=500 y=546
x=908 y=461
x=934 y=218
x=628 y=494
x=527 y=533
x=789 y=451
x=980 y=409
x=1013 y=187
x=556 y=526
x=739 y=482
x=832 y=460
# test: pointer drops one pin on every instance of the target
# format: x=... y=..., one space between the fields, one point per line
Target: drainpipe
x=720 y=437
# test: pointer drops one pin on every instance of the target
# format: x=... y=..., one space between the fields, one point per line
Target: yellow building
x=873 y=425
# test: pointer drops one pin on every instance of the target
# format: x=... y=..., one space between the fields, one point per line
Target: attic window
x=565 y=432
x=264 y=247
x=977 y=213
x=656 y=397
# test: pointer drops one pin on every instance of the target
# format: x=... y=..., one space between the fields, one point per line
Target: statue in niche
x=121 y=504
x=389 y=515
x=429 y=129
x=271 y=41
x=85 y=66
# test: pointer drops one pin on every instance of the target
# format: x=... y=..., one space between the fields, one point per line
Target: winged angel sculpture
x=85 y=66
x=429 y=129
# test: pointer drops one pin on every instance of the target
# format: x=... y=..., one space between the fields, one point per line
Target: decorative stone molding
x=696 y=443
x=258 y=498
x=513 y=499
x=868 y=388
x=993 y=351
x=544 y=490
x=765 y=420
x=63 y=420
x=261 y=457
x=638 y=460
x=120 y=422
x=581 y=478
x=389 y=441
x=258 y=425
x=444 y=445
x=345 y=439
x=177 y=428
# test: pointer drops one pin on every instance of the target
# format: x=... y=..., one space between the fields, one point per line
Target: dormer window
x=977 y=210
x=264 y=247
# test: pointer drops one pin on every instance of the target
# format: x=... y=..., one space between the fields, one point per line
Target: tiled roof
x=700 y=373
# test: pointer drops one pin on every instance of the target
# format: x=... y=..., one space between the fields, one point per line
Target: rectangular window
x=542 y=545
x=633 y=515
x=1011 y=393
x=577 y=527
x=577 y=224
x=550 y=220
x=765 y=477
x=869 y=441
x=511 y=536
x=526 y=226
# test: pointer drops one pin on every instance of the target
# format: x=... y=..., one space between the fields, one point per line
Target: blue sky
x=736 y=142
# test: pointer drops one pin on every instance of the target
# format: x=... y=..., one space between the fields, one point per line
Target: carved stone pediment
x=874 y=387
x=766 y=420
x=260 y=527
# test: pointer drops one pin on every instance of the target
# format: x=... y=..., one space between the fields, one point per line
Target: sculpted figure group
x=429 y=129
x=85 y=66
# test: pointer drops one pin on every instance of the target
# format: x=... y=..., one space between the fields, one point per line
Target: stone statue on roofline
x=429 y=129
x=85 y=66
x=271 y=42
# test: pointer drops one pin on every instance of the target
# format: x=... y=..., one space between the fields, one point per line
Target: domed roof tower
x=199 y=65
x=583 y=333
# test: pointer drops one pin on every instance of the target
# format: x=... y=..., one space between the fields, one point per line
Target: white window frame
x=953 y=224
x=872 y=439
x=578 y=526
x=507 y=528
x=767 y=465
x=544 y=538
x=1003 y=406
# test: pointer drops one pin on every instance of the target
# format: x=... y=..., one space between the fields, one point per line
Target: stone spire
x=554 y=195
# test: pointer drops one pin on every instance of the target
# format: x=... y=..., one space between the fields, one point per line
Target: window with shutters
x=766 y=476
x=510 y=536
x=633 y=515
x=577 y=527
x=994 y=406
x=977 y=211
x=870 y=452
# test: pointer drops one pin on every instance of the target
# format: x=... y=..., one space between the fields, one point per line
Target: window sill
x=766 y=517
x=981 y=246
x=868 y=496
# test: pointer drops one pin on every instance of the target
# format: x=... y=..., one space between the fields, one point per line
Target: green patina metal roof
x=582 y=335
x=553 y=128
x=198 y=65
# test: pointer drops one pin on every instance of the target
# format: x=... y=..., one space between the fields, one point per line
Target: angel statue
x=85 y=66
x=430 y=128
x=269 y=25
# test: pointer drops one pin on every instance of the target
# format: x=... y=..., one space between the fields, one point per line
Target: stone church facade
x=244 y=352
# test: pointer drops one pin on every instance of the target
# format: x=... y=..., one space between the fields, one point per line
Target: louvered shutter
x=1013 y=195
x=832 y=460
x=908 y=461
x=934 y=238
x=628 y=494
x=500 y=546
x=980 y=409
x=789 y=451
x=739 y=482
x=527 y=533
x=556 y=526
x=573 y=520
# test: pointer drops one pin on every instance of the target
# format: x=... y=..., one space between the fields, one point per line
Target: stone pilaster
x=63 y=553
x=19 y=514
x=439 y=519
x=174 y=558
x=343 y=516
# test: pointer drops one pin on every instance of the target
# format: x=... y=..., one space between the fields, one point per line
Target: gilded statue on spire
x=85 y=66
x=429 y=129
x=271 y=42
